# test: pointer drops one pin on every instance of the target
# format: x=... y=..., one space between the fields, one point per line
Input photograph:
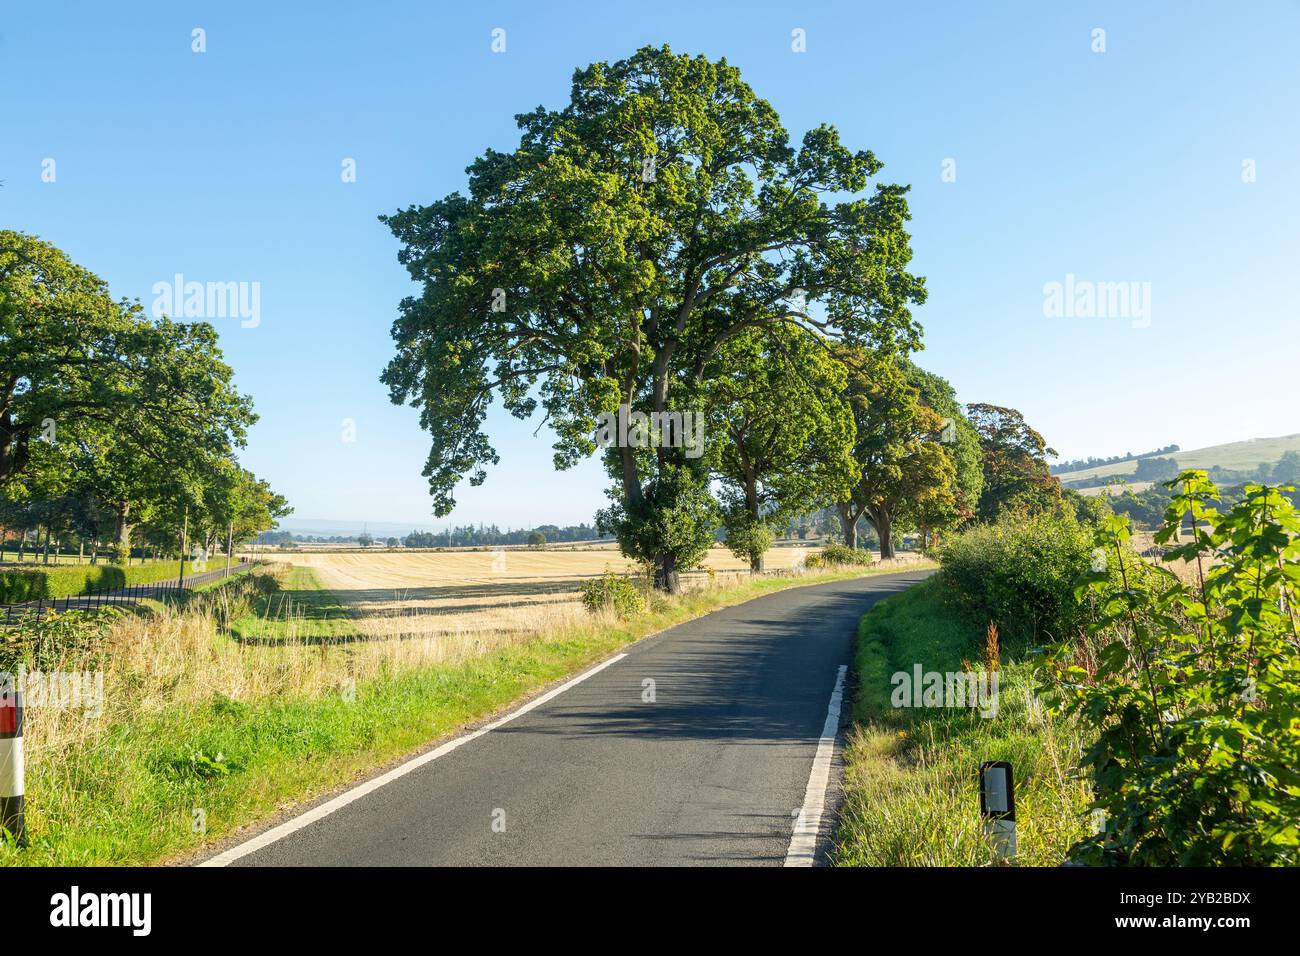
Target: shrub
x=42 y=645
x=616 y=591
x=1019 y=573
x=838 y=555
x=58 y=581
x=1192 y=688
x=747 y=538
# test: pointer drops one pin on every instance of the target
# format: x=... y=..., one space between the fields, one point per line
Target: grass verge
x=197 y=728
x=911 y=793
x=300 y=608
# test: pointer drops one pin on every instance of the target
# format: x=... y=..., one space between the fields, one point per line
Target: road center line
x=803 y=843
x=370 y=786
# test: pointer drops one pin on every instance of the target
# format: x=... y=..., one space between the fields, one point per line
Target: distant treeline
x=470 y=536
x=1079 y=464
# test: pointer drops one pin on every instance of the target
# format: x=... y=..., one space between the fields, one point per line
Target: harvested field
x=511 y=591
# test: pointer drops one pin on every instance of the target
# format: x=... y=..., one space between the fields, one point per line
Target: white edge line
x=803 y=842
x=370 y=786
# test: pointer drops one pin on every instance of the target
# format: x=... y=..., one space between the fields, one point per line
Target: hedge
x=1019 y=573
x=59 y=581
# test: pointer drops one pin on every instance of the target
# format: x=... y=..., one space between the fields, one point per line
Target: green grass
x=911 y=793
x=302 y=608
x=29 y=582
x=126 y=792
x=222 y=582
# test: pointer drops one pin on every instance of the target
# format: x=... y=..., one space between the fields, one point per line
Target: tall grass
x=911 y=788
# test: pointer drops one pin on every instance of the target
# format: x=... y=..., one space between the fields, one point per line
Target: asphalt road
x=712 y=772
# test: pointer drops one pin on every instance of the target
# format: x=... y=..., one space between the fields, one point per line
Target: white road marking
x=803 y=843
x=370 y=786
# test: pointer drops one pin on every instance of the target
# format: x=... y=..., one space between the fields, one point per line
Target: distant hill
x=1237 y=456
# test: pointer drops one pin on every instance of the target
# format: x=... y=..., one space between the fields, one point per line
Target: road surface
x=713 y=771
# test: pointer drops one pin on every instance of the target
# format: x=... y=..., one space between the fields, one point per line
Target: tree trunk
x=751 y=505
x=848 y=523
x=884 y=522
x=185 y=533
x=122 y=531
x=666 y=576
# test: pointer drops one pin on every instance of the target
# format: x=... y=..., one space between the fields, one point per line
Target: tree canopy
x=117 y=416
x=609 y=257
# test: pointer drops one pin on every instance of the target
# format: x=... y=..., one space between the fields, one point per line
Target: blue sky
x=1122 y=166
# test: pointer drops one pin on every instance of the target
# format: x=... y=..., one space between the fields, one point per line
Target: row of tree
x=490 y=535
x=117 y=431
x=659 y=245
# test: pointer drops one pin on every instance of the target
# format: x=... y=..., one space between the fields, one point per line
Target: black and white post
x=11 y=760
x=998 y=807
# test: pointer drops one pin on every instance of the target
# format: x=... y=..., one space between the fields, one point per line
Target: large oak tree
x=609 y=257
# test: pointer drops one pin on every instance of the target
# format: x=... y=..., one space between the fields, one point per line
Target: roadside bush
x=59 y=581
x=42 y=645
x=1019 y=573
x=839 y=555
x=616 y=591
x=1192 y=688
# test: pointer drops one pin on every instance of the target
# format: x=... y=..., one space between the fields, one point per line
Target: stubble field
x=506 y=591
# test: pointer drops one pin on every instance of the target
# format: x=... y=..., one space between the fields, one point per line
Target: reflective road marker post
x=11 y=760
x=998 y=807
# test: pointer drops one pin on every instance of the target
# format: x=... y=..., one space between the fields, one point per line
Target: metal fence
x=95 y=599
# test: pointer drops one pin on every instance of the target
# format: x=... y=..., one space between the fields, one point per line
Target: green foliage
x=961 y=441
x=777 y=398
x=1146 y=509
x=1155 y=469
x=1016 y=473
x=112 y=422
x=608 y=258
x=675 y=518
x=747 y=538
x=59 y=581
x=43 y=645
x=1193 y=688
x=839 y=555
x=1019 y=573
x=196 y=764
x=615 y=591
x=901 y=466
